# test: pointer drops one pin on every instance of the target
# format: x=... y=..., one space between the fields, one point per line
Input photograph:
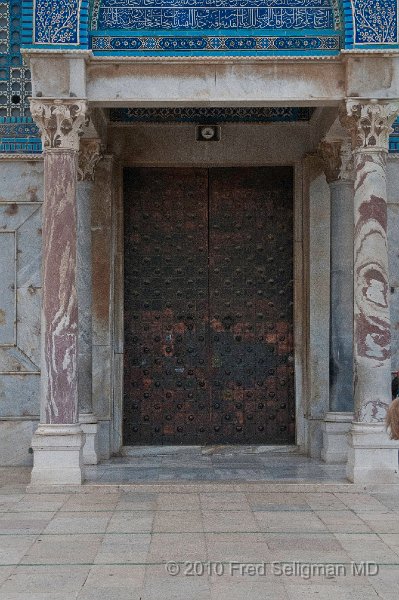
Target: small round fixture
x=207 y=132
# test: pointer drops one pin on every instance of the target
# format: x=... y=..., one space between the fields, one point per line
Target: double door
x=208 y=306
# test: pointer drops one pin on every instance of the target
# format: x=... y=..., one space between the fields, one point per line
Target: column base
x=89 y=425
x=372 y=456
x=57 y=455
x=336 y=429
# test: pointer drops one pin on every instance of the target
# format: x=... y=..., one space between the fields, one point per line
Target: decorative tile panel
x=18 y=133
x=394 y=138
x=375 y=21
x=56 y=21
x=15 y=85
x=237 y=44
x=216 y=26
x=215 y=14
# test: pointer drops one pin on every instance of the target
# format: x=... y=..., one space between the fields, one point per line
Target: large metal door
x=208 y=306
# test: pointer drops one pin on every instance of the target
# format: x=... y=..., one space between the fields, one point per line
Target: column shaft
x=59 y=399
x=84 y=289
x=372 y=456
x=341 y=294
x=338 y=164
x=58 y=441
x=372 y=327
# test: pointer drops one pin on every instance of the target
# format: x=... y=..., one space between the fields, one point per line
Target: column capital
x=337 y=160
x=90 y=154
x=370 y=123
x=60 y=121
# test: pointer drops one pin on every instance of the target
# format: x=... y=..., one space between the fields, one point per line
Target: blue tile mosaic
x=241 y=26
x=65 y=23
x=193 y=44
x=394 y=138
x=15 y=85
x=190 y=15
x=18 y=133
x=376 y=22
x=56 y=21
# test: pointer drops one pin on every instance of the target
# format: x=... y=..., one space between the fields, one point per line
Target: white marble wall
x=21 y=194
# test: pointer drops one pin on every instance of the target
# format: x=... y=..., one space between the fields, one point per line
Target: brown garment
x=392 y=420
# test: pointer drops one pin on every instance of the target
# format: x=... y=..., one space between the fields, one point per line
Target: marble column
x=338 y=166
x=372 y=456
x=58 y=441
x=89 y=156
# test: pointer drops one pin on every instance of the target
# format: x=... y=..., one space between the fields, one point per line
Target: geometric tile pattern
x=15 y=86
x=394 y=138
x=210 y=115
x=219 y=43
x=17 y=130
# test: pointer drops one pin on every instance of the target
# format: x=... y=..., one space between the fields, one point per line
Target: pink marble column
x=372 y=456
x=58 y=441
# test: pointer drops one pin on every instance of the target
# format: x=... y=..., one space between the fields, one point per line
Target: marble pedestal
x=58 y=455
x=89 y=425
x=372 y=456
x=336 y=429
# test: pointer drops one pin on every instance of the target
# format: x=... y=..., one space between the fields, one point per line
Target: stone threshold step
x=223 y=450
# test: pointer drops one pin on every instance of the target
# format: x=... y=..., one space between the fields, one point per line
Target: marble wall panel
x=103 y=294
x=12 y=360
x=21 y=181
x=19 y=395
x=104 y=440
x=15 y=441
x=21 y=192
x=7 y=296
x=29 y=303
x=102 y=254
x=102 y=380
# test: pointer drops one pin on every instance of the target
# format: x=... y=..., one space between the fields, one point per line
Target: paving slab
x=119 y=538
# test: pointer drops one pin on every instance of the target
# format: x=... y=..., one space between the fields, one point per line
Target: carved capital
x=370 y=124
x=337 y=160
x=61 y=122
x=90 y=153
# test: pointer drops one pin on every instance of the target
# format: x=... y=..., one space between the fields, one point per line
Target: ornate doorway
x=209 y=306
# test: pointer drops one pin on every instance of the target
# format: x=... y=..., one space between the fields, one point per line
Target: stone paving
x=214 y=463
x=227 y=541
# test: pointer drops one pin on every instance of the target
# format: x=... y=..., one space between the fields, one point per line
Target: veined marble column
x=58 y=441
x=89 y=156
x=338 y=165
x=372 y=456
